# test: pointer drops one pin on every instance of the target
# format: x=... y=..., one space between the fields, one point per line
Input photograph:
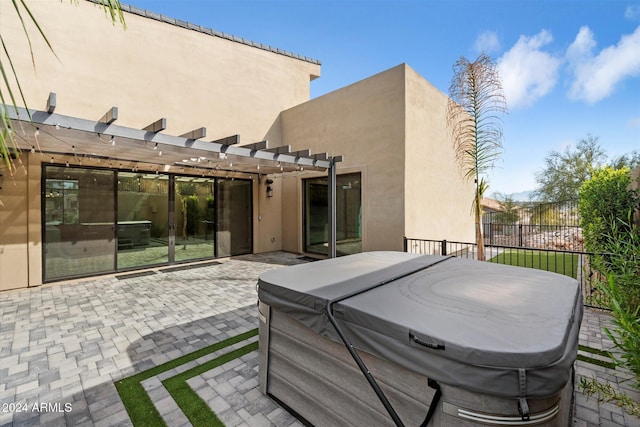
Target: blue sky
x=570 y=68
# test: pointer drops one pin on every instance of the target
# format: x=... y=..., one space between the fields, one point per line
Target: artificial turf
x=141 y=409
x=196 y=409
x=593 y=360
x=562 y=263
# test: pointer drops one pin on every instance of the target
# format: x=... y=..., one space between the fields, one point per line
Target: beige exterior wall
x=20 y=227
x=391 y=127
x=438 y=200
x=152 y=70
x=267 y=214
x=291 y=214
x=364 y=122
x=14 y=246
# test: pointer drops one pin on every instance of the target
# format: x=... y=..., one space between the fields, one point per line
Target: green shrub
x=626 y=332
x=606 y=208
x=619 y=260
x=604 y=198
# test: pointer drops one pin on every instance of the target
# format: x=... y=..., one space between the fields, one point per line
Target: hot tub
x=384 y=338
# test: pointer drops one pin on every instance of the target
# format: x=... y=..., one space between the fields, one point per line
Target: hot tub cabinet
x=390 y=338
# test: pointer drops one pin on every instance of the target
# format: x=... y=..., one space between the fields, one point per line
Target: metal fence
x=576 y=264
x=554 y=226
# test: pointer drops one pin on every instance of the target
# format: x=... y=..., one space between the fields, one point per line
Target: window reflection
x=101 y=221
x=79 y=224
x=143 y=221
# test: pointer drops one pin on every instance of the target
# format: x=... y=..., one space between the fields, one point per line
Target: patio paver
x=62 y=346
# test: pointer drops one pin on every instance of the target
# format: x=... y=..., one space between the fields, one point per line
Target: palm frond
x=7 y=142
x=476 y=100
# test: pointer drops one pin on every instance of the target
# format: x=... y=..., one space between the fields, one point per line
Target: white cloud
x=632 y=12
x=487 y=42
x=596 y=76
x=581 y=46
x=528 y=73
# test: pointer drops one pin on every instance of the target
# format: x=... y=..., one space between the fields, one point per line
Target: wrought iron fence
x=555 y=237
x=554 y=226
x=576 y=264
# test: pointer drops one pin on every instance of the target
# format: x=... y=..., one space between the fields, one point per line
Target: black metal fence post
x=520 y=235
x=443 y=249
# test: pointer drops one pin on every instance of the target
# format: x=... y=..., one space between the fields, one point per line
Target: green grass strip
x=140 y=408
x=562 y=263
x=594 y=361
x=597 y=351
x=197 y=410
x=598 y=362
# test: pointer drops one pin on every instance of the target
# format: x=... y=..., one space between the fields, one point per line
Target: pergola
x=150 y=149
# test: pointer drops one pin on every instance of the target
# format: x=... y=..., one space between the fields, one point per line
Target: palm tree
x=8 y=148
x=475 y=100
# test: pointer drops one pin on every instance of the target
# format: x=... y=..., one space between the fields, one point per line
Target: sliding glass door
x=100 y=221
x=195 y=218
x=78 y=221
x=348 y=214
x=143 y=222
x=234 y=209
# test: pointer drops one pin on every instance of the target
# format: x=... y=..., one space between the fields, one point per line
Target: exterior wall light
x=269 y=188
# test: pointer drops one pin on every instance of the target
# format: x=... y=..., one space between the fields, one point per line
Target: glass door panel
x=195 y=218
x=234 y=229
x=79 y=235
x=348 y=214
x=143 y=223
x=316 y=216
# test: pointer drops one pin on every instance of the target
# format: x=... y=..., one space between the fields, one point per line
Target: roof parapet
x=209 y=31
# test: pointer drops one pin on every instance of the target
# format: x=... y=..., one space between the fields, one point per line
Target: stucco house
x=168 y=143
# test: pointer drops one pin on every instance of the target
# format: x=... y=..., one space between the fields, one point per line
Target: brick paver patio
x=62 y=346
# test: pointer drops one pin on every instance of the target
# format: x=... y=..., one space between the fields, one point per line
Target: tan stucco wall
x=364 y=122
x=150 y=70
x=267 y=214
x=20 y=229
x=153 y=70
x=13 y=227
x=438 y=199
x=34 y=229
x=291 y=219
x=390 y=127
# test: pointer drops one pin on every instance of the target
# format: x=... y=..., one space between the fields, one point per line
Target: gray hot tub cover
x=488 y=328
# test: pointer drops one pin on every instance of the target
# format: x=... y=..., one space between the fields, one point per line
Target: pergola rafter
x=150 y=148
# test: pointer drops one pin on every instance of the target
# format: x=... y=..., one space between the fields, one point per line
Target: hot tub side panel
x=318 y=380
